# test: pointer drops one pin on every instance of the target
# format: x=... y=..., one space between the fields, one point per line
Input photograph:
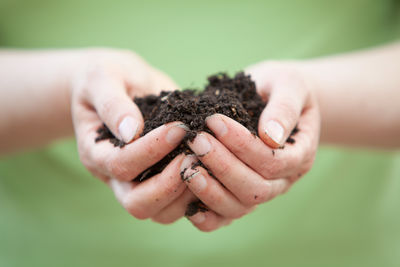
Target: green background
x=343 y=213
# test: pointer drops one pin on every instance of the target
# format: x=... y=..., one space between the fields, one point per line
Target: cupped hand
x=102 y=91
x=250 y=170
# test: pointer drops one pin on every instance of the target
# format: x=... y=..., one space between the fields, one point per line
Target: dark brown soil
x=195 y=207
x=234 y=97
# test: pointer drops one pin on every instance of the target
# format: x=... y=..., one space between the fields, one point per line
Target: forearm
x=359 y=95
x=34 y=97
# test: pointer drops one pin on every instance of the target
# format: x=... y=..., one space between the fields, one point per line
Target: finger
x=144 y=200
x=176 y=209
x=287 y=98
x=243 y=144
x=108 y=94
x=248 y=186
x=208 y=221
x=266 y=161
x=127 y=163
x=302 y=153
x=123 y=164
x=210 y=191
x=94 y=156
x=150 y=81
x=162 y=81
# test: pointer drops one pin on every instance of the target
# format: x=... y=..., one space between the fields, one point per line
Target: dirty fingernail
x=197 y=182
x=175 y=134
x=275 y=131
x=200 y=146
x=187 y=162
x=199 y=217
x=217 y=125
x=128 y=129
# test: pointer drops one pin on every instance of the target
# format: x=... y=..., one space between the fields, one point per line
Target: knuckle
x=151 y=151
x=290 y=74
x=236 y=214
x=215 y=200
x=273 y=168
x=98 y=161
x=223 y=169
x=257 y=196
x=95 y=72
x=288 y=115
x=109 y=105
x=118 y=171
x=94 y=164
x=241 y=145
x=170 y=189
x=250 y=199
x=292 y=162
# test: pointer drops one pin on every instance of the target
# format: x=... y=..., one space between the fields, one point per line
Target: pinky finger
x=208 y=221
x=175 y=210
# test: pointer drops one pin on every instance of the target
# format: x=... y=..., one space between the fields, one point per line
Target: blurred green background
x=343 y=213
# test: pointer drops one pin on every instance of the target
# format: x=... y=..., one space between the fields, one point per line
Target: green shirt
x=343 y=213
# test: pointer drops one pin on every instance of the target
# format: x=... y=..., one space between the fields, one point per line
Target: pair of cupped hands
x=248 y=170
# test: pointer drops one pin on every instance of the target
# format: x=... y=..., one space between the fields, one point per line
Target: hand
x=103 y=89
x=251 y=170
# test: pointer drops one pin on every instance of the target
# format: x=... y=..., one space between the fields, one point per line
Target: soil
x=234 y=97
x=194 y=207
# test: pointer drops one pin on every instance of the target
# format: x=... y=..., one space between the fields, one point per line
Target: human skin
x=99 y=85
x=357 y=95
x=45 y=95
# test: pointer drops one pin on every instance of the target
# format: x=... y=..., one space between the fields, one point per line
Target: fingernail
x=199 y=217
x=128 y=129
x=188 y=162
x=120 y=188
x=275 y=131
x=217 y=125
x=201 y=146
x=197 y=182
x=176 y=133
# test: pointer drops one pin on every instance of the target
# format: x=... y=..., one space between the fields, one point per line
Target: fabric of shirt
x=345 y=212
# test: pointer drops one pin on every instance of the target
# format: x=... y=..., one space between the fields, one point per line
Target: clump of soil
x=234 y=97
x=194 y=207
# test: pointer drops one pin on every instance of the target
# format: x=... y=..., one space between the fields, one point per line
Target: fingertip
x=175 y=133
x=207 y=221
x=217 y=124
x=273 y=133
x=201 y=145
x=198 y=218
x=188 y=162
x=120 y=188
x=194 y=178
x=128 y=129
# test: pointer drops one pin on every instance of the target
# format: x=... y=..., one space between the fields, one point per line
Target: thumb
x=288 y=96
x=115 y=108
